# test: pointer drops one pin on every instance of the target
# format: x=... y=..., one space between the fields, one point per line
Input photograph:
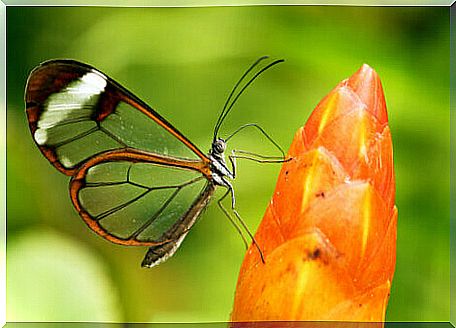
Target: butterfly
x=135 y=179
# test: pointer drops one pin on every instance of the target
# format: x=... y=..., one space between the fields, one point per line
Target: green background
x=183 y=62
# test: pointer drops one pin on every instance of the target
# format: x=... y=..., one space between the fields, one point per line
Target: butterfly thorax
x=218 y=163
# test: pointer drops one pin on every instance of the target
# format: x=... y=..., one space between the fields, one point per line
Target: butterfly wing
x=76 y=112
x=133 y=197
x=136 y=180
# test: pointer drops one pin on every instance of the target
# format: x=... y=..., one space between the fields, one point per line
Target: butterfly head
x=218 y=147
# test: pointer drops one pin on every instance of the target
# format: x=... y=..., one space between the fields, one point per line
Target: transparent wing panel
x=139 y=131
x=156 y=175
x=111 y=172
x=102 y=199
x=139 y=200
x=125 y=221
x=73 y=152
x=176 y=208
x=64 y=133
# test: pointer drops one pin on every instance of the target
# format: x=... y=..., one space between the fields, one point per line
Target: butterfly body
x=218 y=165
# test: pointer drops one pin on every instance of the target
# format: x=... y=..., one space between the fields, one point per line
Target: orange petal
x=367 y=85
x=378 y=167
x=348 y=218
x=302 y=180
x=349 y=133
x=281 y=288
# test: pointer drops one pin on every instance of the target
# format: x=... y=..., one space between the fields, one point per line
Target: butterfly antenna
x=217 y=125
x=226 y=111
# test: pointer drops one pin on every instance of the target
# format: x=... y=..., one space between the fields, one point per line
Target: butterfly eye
x=219 y=146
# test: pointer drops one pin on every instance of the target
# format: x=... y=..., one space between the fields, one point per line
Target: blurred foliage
x=183 y=62
x=80 y=281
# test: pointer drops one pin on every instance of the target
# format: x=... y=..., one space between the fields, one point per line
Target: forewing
x=135 y=198
x=76 y=112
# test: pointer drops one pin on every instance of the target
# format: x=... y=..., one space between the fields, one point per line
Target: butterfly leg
x=238 y=216
x=219 y=202
x=262 y=131
x=232 y=159
x=236 y=153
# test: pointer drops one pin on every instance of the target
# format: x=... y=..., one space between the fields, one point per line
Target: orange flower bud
x=329 y=233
